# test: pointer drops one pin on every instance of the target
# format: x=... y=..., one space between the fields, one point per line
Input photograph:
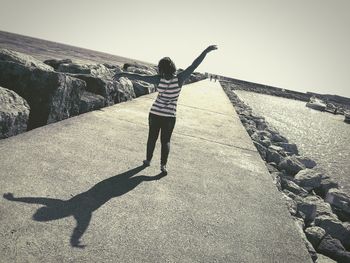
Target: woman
x=162 y=115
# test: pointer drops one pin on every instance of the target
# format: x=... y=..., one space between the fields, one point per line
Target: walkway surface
x=79 y=193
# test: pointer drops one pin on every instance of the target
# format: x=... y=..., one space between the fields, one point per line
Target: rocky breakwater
x=14 y=113
x=54 y=90
x=320 y=209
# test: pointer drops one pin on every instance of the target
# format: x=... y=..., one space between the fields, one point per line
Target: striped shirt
x=166 y=101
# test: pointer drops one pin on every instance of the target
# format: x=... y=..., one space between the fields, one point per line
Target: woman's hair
x=166 y=67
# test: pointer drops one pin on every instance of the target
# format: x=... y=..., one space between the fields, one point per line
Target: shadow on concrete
x=82 y=205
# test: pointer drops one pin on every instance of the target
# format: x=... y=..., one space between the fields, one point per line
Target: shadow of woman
x=82 y=205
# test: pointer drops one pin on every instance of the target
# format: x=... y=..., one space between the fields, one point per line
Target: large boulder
x=112 y=91
x=56 y=62
x=307 y=162
x=23 y=59
x=291 y=165
x=309 y=247
x=326 y=184
x=125 y=90
x=289 y=147
x=130 y=66
x=306 y=208
x=273 y=156
x=51 y=96
x=322 y=208
x=14 y=113
x=275 y=136
x=292 y=187
x=308 y=179
x=261 y=135
x=339 y=199
x=142 y=71
x=90 y=101
x=94 y=70
x=142 y=88
x=333 y=248
x=315 y=234
x=336 y=228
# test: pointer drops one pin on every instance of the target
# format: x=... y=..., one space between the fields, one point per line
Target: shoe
x=163 y=169
x=146 y=163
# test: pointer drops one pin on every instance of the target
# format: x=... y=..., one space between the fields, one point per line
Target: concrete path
x=81 y=180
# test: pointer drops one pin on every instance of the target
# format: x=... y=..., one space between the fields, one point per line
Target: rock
x=308 y=179
x=266 y=142
x=125 y=90
x=322 y=208
x=90 y=101
x=307 y=162
x=65 y=99
x=339 y=199
x=243 y=119
x=142 y=70
x=289 y=147
x=23 y=59
x=139 y=66
x=276 y=148
x=273 y=156
x=250 y=129
x=94 y=70
x=106 y=88
x=306 y=208
x=332 y=248
x=260 y=124
x=326 y=184
x=271 y=167
x=261 y=149
x=309 y=247
x=112 y=91
x=142 y=88
x=14 y=113
x=51 y=96
x=315 y=234
x=335 y=228
x=261 y=135
x=290 y=194
x=293 y=187
x=291 y=204
x=291 y=165
x=276 y=137
x=323 y=259
x=56 y=62
x=114 y=67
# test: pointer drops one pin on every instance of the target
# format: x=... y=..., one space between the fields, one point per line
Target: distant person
x=162 y=115
x=211 y=77
x=215 y=78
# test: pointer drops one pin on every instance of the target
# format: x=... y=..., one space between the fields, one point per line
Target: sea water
x=321 y=136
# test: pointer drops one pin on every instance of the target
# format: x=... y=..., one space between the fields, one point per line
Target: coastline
x=309 y=194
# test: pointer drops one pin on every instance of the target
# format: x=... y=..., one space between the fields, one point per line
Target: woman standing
x=162 y=116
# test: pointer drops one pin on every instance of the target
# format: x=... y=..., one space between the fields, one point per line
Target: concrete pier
x=79 y=193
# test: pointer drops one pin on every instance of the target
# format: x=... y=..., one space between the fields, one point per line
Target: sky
x=301 y=45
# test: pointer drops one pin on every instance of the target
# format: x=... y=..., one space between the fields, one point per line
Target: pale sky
x=301 y=45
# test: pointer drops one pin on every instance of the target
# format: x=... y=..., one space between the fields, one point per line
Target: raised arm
x=188 y=71
x=153 y=79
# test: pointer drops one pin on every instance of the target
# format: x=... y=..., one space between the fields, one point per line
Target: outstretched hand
x=211 y=48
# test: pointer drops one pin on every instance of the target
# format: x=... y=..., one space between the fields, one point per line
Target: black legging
x=165 y=125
